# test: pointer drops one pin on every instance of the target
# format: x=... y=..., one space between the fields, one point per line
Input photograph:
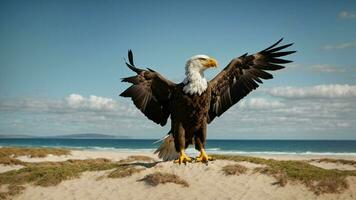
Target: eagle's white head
x=195 y=82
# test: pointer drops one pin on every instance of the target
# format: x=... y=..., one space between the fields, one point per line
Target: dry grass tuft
x=124 y=171
x=337 y=161
x=10 y=161
x=281 y=178
x=12 y=190
x=50 y=173
x=8 y=154
x=32 y=152
x=235 y=169
x=328 y=185
x=238 y=158
x=162 y=178
x=140 y=158
x=136 y=158
x=317 y=179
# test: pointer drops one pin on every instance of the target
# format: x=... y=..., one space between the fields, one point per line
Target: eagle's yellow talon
x=203 y=157
x=183 y=158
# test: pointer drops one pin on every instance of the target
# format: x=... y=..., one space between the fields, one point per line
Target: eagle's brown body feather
x=189 y=117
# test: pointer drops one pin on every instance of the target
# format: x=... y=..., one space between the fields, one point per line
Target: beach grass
x=5 y=160
x=317 y=179
x=337 y=161
x=234 y=169
x=281 y=178
x=162 y=178
x=8 y=154
x=52 y=173
x=124 y=171
x=32 y=152
x=11 y=190
x=135 y=158
x=45 y=174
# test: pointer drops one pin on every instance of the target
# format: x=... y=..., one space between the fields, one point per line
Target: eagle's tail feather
x=166 y=150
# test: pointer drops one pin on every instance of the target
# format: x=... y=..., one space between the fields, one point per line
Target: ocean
x=299 y=147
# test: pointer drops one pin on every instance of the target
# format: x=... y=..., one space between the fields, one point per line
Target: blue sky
x=61 y=64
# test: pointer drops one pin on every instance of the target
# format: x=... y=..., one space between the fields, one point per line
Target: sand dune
x=205 y=182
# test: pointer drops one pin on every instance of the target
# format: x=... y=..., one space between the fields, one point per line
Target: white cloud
x=77 y=109
x=74 y=114
x=327 y=69
x=75 y=100
x=345 y=45
x=302 y=118
x=319 y=91
x=260 y=103
x=289 y=113
x=99 y=103
x=72 y=103
x=347 y=14
x=343 y=124
x=93 y=102
x=342 y=70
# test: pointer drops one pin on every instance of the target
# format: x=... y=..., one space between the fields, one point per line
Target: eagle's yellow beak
x=211 y=62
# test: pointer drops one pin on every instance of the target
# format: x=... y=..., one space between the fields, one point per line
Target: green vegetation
x=11 y=190
x=162 y=178
x=315 y=178
x=137 y=158
x=238 y=158
x=52 y=173
x=5 y=160
x=235 y=169
x=337 y=161
x=8 y=154
x=32 y=152
x=124 y=171
x=281 y=178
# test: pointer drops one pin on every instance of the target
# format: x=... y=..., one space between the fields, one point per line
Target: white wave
x=193 y=152
x=284 y=153
x=96 y=148
x=213 y=149
x=102 y=148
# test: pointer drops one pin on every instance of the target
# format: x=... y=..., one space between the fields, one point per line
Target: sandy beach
x=205 y=181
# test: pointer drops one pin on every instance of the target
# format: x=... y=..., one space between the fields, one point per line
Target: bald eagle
x=195 y=102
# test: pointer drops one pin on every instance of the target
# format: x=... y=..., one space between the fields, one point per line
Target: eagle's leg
x=203 y=157
x=183 y=158
x=179 y=143
x=199 y=138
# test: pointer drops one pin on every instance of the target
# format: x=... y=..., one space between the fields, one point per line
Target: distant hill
x=91 y=136
x=70 y=136
x=15 y=136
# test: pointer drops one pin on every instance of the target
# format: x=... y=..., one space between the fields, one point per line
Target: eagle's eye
x=202 y=59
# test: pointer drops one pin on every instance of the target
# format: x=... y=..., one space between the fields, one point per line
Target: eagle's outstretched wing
x=242 y=75
x=149 y=91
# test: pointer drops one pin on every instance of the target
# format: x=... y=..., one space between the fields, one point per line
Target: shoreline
x=191 y=150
